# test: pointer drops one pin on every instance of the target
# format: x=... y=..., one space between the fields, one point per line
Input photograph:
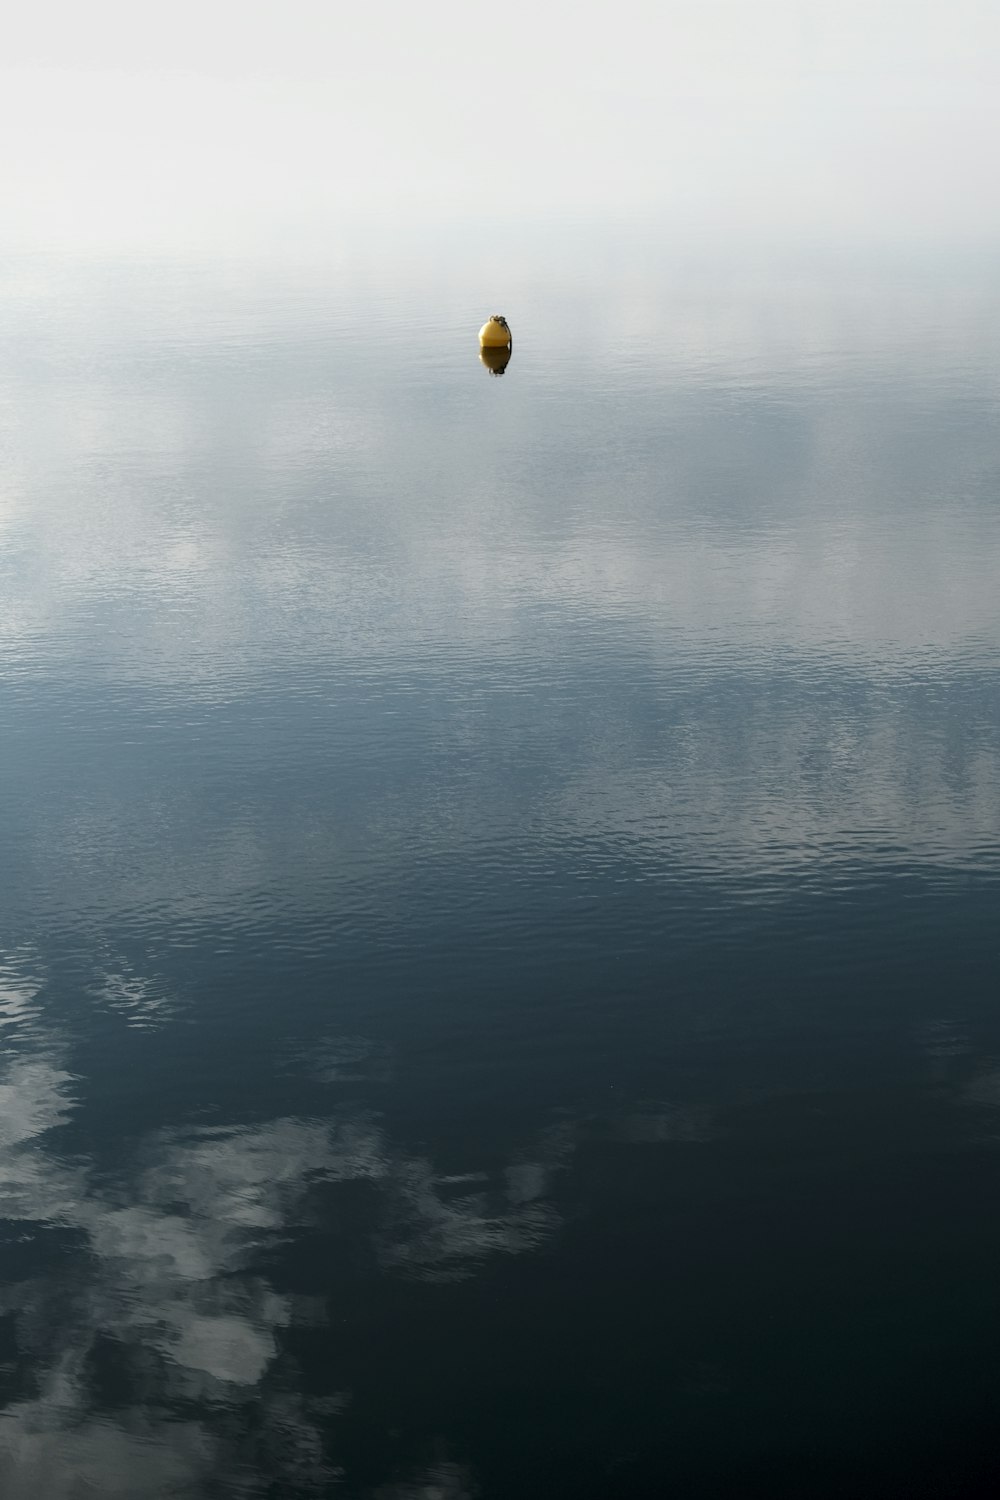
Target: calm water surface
x=498 y=880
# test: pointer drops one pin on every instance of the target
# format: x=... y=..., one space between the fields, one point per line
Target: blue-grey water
x=499 y=878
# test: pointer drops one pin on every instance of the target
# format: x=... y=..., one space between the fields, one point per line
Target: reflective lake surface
x=498 y=877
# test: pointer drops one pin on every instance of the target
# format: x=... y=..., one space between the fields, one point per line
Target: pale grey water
x=498 y=877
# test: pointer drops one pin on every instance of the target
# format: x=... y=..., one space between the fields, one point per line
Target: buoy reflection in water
x=496 y=360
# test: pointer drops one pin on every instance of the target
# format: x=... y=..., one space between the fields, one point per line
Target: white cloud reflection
x=160 y=1271
x=164 y=1268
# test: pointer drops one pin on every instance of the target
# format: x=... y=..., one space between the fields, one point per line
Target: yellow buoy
x=495 y=334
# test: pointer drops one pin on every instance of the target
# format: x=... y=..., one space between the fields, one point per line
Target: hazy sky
x=126 y=124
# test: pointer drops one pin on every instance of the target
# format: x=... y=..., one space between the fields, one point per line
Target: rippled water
x=498 y=879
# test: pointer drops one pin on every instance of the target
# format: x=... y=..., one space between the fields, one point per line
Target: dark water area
x=498 y=880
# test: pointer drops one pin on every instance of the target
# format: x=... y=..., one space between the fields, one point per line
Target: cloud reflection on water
x=145 y=1292
x=155 y=1344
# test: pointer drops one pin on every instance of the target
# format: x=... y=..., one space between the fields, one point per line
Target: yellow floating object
x=495 y=334
x=495 y=360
